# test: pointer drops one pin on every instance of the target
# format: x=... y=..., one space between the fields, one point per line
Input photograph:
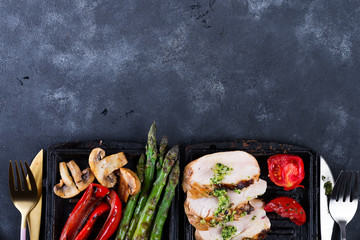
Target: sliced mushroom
x=82 y=179
x=103 y=167
x=66 y=188
x=129 y=184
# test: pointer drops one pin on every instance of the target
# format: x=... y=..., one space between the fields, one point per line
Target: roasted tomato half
x=286 y=170
x=287 y=207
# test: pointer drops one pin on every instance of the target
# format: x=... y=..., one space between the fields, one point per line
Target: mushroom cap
x=83 y=178
x=129 y=184
x=104 y=167
x=66 y=188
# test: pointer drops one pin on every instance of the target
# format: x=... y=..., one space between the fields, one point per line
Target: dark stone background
x=278 y=70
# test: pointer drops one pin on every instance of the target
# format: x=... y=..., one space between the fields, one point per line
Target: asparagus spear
x=131 y=204
x=162 y=151
x=165 y=203
x=148 y=212
x=151 y=155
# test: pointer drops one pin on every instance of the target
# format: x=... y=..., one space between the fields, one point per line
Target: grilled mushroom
x=104 y=167
x=129 y=184
x=82 y=179
x=66 y=188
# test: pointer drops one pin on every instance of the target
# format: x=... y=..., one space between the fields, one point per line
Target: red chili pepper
x=286 y=170
x=92 y=196
x=100 y=209
x=113 y=220
x=287 y=207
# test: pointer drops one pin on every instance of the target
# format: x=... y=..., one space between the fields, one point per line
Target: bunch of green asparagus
x=143 y=217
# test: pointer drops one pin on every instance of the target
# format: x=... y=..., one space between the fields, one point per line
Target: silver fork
x=344 y=199
x=23 y=197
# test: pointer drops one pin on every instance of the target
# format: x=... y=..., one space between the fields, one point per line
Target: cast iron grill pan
x=57 y=209
x=281 y=228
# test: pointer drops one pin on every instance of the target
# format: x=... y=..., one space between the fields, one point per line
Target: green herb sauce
x=227 y=232
x=328 y=188
x=220 y=171
x=238 y=191
x=224 y=201
x=224 y=206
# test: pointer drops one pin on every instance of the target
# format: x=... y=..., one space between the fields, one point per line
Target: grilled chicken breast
x=200 y=211
x=198 y=173
x=253 y=226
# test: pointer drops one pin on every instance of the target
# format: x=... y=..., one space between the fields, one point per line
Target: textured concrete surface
x=279 y=70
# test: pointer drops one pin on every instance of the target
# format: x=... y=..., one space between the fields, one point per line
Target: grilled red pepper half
x=113 y=220
x=287 y=207
x=286 y=170
x=99 y=210
x=92 y=197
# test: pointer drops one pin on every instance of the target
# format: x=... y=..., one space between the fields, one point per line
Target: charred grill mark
x=262 y=234
x=240 y=185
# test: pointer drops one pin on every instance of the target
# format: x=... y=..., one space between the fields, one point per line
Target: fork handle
x=23 y=227
x=23 y=234
x=342 y=231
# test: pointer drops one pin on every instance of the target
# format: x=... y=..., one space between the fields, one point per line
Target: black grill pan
x=281 y=228
x=57 y=210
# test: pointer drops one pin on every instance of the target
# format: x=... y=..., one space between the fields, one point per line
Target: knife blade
x=326 y=221
x=34 y=219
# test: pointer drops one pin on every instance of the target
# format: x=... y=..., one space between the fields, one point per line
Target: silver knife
x=326 y=221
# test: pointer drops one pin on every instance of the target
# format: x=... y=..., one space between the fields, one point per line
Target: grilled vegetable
x=287 y=207
x=162 y=152
x=98 y=211
x=66 y=188
x=147 y=213
x=286 y=170
x=113 y=220
x=165 y=203
x=131 y=204
x=91 y=197
x=129 y=184
x=83 y=178
x=104 y=167
x=151 y=156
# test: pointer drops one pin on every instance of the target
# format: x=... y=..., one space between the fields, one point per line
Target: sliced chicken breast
x=204 y=224
x=205 y=207
x=253 y=226
x=198 y=173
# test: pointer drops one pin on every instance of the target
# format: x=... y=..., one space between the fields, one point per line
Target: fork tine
x=342 y=186
x=355 y=188
x=336 y=190
x=19 y=183
x=12 y=187
x=26 y=186
x=31 y=178
x=348 y=186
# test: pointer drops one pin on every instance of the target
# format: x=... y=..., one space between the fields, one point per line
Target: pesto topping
x=220 y=171
x=227 y=232
x=224 y=206
x=323 y=177
x=224 y=201
x=328 y=188
x=238 y=191
x=243 y=214
x=213 y=223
